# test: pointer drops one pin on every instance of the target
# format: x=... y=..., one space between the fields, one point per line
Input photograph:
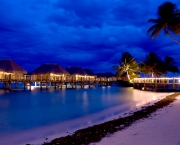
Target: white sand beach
x=163 y=128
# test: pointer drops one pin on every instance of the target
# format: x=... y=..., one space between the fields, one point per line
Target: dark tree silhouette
x=152 y=65
x=169 y=65
x=168 y=19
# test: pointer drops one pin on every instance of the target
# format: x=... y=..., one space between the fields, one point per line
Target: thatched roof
x=50 y=68
x=89 y=72
x=106 y=75
x=76 y=70
x=7 y=65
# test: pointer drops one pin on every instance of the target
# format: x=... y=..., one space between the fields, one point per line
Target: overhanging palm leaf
x=168 y=19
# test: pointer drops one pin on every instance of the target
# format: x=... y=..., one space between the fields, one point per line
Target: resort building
x=49 y=72
x=77 y=74
x=106 y=76
x=91 y=75
x=10 y=70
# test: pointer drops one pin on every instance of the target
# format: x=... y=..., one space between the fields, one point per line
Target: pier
x=156 y=83
x=56 y=82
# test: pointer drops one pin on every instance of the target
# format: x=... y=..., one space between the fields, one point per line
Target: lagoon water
x=39 y=112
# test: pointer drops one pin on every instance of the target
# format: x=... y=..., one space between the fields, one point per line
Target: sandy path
x=163 y=128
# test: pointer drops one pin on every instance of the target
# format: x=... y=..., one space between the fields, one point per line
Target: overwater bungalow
x=49 y=72
x=77 y=73
x=10 y=70
x=90 y=73
x=106 y=76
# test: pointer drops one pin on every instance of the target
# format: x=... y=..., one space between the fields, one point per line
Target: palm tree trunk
x=167 y=33
x=152 y=75
x=128 y=76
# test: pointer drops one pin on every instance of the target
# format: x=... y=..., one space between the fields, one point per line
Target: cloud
x=85 y=9
x=87 y=33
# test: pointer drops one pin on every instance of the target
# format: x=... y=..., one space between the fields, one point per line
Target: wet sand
x=107 y=129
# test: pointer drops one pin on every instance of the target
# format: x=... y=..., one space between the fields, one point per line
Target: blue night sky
x=86 y=33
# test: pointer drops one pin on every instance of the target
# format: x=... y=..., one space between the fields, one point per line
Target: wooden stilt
x=4 y=85
x=55 y=86
x=81 y=83
x=16 y=84
x=9 y=85
x=9 y=82
x=46 y=85
x=24 y=85
x=41 y=85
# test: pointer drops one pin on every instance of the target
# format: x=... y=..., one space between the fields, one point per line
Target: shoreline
x=97 y=132
x=54 y=130
x=161 y=128
x=41 y=134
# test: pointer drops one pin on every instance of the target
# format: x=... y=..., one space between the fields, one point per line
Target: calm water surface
x=23 y=110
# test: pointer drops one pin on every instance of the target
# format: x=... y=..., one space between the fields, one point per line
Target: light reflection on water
x=22 y=110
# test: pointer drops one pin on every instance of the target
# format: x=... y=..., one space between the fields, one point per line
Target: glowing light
x=32 y=87
x=103 y=87
x=154 y=98
x=157 y=80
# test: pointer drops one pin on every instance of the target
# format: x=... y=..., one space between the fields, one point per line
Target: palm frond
x=127 y=65
x=156 y=31
x=157 y=21
x=168 y=17
x=152 y=28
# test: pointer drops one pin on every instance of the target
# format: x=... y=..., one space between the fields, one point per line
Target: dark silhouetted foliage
x=168 y=19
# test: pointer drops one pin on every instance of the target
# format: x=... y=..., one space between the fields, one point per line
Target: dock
x=56 y=82
x=156 y=84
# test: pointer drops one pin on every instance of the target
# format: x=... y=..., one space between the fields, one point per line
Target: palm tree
x=127 y=65
x=168 y=19
x=152 y=65
x=169 y=65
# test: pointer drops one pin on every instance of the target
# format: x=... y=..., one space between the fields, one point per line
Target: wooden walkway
x=156 y=83
x=30 y=80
